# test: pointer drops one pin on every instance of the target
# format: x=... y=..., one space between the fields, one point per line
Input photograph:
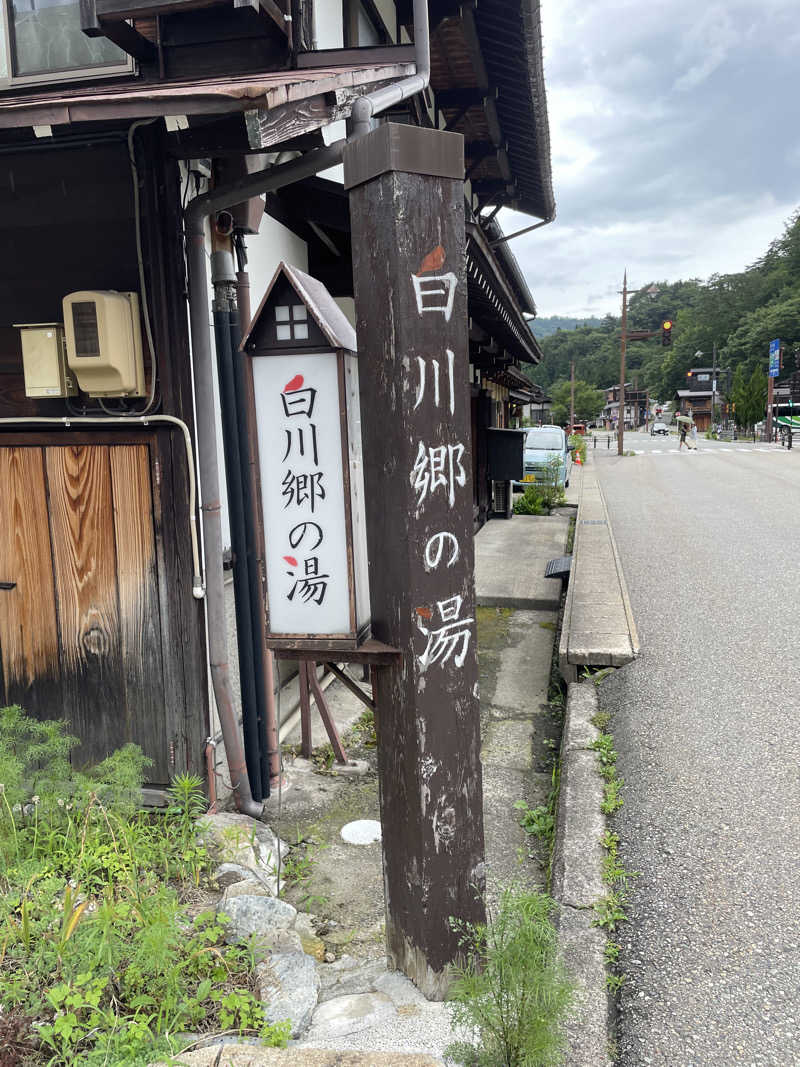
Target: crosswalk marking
x=707 y=451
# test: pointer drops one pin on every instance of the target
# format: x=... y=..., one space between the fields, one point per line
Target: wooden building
x=696 y=398
x=635 y=407
x=114 y=116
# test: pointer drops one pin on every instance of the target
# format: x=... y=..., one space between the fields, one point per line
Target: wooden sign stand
x=407 y=215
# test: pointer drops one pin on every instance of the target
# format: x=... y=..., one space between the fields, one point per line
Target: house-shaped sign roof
x=280 y=323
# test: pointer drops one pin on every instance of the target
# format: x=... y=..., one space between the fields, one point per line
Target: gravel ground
x=706 y=728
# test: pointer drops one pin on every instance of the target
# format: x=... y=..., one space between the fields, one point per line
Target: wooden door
x=80 y=632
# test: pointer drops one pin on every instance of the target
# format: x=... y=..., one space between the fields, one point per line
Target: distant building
x=696 y=398
x=635 y=407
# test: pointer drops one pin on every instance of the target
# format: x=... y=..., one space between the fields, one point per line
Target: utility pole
x=713 y=382
x=571 y=395
x=621 y=416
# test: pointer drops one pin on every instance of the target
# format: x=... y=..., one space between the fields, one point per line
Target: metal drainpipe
x=270 y=711
x=366 y=106
x=256 y=621
x=222 y=280
x=225 y=196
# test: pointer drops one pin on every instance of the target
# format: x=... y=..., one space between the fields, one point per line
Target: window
x=291 y=323
x=42 y=40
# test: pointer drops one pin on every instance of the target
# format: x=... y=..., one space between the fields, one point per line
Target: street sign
x=774 y=358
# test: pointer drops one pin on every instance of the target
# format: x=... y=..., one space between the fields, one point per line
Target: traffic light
x=666 y=333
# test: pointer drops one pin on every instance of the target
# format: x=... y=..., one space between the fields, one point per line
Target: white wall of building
x=329 y=23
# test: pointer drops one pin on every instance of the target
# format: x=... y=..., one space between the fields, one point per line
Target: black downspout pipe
x=241 y=584
x=251 y=548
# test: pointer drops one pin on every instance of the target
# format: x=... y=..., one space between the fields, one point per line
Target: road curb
x=598 y=628
x=623 y=587
x=577 y=881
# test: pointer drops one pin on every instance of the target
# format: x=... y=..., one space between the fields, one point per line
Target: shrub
x=512 y=991
x=530 y=503
x=540 y=497
x=579 y=441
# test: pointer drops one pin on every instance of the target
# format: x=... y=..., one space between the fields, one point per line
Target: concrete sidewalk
x=598 y=628
x=510 y=558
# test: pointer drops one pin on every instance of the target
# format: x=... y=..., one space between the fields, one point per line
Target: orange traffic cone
x=578 y=459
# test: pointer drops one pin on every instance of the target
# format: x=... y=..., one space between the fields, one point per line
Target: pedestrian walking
x=685 y=424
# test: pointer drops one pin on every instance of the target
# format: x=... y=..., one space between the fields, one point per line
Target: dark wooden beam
x=320 y=200
x=456 y=119
x=114 y=10
x=267 y=128
x=466 y=98
x=346 y=57
x=489 y=187
x=228 y=137
x=472 y=39
x=130 y=40
x=121 y=33
x=265 y=8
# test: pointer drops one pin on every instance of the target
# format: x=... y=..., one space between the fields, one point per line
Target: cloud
x=675 y=143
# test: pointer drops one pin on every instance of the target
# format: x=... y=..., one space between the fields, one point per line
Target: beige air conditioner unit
x=104 y=342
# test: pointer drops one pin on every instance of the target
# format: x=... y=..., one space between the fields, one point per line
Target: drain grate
x=559 y=567
x=594 y=522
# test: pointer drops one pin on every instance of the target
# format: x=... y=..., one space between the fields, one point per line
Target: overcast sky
x=675 y=141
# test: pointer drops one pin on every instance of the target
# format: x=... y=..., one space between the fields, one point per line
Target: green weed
x=610 y=911
x=512 y=990
x=95 y=944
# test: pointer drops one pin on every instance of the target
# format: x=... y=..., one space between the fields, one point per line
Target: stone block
x=254 y=916
x=578 y=854
x=288 y=985
x=582 y=950
x=582 y=705
x=350 y=1015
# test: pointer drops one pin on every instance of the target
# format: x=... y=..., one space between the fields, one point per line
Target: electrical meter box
x=104 y=342
x=44 y=360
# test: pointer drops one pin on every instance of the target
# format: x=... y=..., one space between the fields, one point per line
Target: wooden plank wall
x=28 y=612
x=66 y=223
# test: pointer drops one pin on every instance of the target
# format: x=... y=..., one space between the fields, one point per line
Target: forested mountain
x=546 y=327
x=741 y=312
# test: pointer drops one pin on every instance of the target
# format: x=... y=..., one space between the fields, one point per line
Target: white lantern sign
x=305 y=385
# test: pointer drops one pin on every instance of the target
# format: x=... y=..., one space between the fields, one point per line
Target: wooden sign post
x=407 y=215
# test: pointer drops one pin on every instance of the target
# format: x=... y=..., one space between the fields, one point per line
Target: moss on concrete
x=493 y=630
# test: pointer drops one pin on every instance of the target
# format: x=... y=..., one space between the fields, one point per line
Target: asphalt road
x=706 y=726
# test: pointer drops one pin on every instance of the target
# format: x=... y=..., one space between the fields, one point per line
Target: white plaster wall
x=329 y=23
x=273 y=243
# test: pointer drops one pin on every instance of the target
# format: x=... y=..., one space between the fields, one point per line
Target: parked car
x=659 y=428
x=579 y=427
x=548 y=455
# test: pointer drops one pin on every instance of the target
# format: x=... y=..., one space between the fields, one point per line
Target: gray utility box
x=505 y=454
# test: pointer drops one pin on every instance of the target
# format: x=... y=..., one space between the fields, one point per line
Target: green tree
x=588 y=402
x=749 y=395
